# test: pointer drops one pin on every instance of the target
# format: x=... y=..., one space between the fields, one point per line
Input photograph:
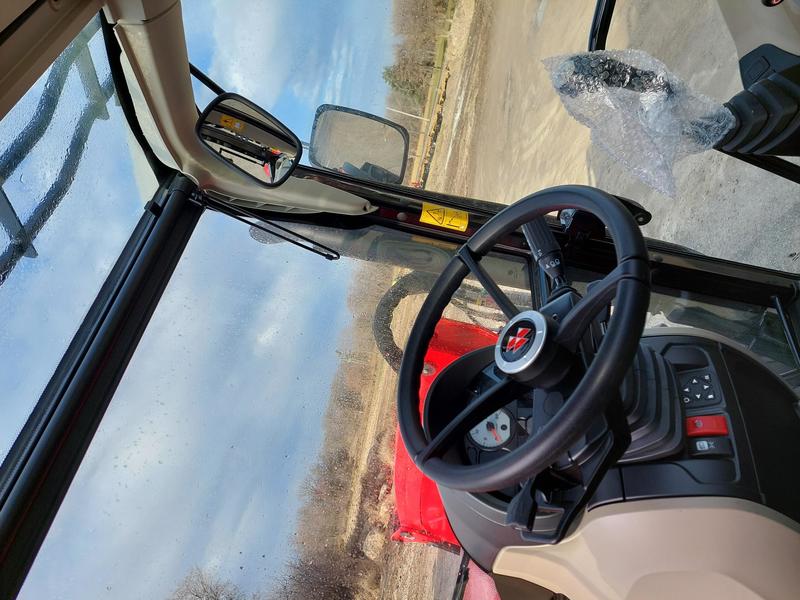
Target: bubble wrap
x=639 y=112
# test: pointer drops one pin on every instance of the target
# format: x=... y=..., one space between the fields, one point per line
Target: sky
x=201 y=456
x=290 y=57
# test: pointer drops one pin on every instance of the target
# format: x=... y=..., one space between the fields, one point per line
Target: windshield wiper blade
x=279 y=231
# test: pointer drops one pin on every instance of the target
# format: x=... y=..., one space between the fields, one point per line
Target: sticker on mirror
x=441 y=216
x=230 y=123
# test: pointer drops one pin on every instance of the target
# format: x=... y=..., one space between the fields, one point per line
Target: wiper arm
x=244 y=215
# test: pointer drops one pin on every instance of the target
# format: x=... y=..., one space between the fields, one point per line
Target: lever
x=545 y=250
x=521 y=511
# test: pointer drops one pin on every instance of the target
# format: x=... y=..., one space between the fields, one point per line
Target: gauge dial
x=493 y=432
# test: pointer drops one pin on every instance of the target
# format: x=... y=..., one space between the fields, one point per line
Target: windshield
x=467 y=82
x=250 y=448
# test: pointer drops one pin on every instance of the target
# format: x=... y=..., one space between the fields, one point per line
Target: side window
x=250 y=448
x=73 y=182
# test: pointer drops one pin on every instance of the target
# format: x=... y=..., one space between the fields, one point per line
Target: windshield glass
x=466 y=80
x=249 y=447
x=68 y=163
x=250 y=450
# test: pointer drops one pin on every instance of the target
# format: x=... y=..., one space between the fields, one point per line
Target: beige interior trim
x=11 y=9
x=156 y=65
x=37 y=42
x=689 y=548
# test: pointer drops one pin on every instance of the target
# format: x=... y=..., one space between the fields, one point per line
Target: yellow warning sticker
x=450 y=218
x=228 y=122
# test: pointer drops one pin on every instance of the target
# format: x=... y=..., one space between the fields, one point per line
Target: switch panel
x=698 y=388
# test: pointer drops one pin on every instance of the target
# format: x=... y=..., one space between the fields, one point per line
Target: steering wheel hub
x=521 y=343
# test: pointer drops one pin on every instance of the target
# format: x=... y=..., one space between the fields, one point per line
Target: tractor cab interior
x=241 y=364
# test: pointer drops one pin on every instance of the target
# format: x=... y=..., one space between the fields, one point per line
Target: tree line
x=417 y=23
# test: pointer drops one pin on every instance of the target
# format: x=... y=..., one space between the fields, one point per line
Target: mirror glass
x=250 y=139
x=359 y=144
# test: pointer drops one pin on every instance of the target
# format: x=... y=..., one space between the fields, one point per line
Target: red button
x=706 y=425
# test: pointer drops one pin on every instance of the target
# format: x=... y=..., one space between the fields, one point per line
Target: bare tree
x=417 y=23
x=332 y=578
x=198 y=585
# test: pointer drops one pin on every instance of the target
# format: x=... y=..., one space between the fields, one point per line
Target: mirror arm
x=205 y=80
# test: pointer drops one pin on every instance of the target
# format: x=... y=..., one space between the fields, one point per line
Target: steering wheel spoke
x=600 y=294
x=490 y=285
x=490 y=400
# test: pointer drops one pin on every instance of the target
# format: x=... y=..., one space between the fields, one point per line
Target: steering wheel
x=533 y=349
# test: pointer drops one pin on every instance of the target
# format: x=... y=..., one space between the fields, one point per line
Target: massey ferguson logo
x=518 y=340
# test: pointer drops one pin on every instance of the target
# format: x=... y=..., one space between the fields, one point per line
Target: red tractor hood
x=420 y=513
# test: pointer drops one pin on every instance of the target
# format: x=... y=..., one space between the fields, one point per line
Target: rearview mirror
x=359 y=144
x=249 y=139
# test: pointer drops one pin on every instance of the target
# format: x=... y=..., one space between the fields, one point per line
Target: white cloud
x=323 y=81
x=251 y=60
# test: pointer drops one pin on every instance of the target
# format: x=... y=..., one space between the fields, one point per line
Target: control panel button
x=714 y=446
x=697 y=389
x=706 y=425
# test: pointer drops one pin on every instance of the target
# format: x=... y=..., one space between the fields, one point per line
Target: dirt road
x=505 y=133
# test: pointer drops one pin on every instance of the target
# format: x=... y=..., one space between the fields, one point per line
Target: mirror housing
x=359 y=144
x=249 y=139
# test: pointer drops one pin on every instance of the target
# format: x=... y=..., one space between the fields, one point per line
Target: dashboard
x=707 y=419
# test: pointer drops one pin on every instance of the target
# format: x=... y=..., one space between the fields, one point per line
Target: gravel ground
x=505 y=133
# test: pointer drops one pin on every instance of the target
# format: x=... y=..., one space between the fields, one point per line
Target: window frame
x=42 y=461
x=45 y=457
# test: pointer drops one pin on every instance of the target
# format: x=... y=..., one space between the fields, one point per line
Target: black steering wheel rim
x=602 y=378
